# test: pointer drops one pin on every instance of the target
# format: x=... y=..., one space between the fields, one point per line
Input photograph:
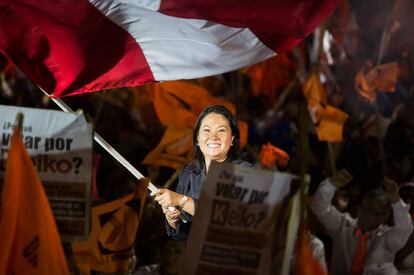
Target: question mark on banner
x=78 y=162
x=260 y=217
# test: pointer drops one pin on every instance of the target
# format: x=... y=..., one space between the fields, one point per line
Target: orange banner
x=29 y=238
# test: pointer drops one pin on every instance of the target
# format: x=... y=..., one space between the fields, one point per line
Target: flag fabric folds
x=110 y=246
x=327 y=120
x=186 y=100
x=174 y=150
x=177 y=105
x=330 y=124
x=306 y=263
x=270 y=75
x=271 y=156
x=114 y=43
x=382 y=78
x=28 y=234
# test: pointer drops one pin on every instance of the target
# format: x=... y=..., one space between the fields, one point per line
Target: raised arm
x=321 y=204
x=403 y=225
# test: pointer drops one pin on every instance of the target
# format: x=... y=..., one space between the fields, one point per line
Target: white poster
x=232 y=231
x=60 y=146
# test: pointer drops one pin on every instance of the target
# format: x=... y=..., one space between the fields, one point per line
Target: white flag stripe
x=176 y=47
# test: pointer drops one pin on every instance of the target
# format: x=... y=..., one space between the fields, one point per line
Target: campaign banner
x=60 y=146
x=234 y=225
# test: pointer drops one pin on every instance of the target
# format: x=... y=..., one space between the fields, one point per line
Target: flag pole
x=105 y=145
x=19 y=122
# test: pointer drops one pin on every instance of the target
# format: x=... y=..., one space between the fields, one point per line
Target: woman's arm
x=167 y=198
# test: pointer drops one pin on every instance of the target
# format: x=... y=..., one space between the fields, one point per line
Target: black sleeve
x=183 y=229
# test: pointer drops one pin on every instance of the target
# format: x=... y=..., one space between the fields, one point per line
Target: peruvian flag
x=70 y=47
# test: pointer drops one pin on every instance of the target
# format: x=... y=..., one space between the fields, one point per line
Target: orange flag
x=364 y=88
x=382 y=78
x=244 y=131
x=174 y=149
x=271 y=156
x=110 y=245
x=306 y=264
x=328 y=120
x=314 y=91
x=267 y=76
x=30 y=242
x=180 y=102
x=331 y=123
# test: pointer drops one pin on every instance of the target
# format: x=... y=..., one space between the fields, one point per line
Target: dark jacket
x=190 y=182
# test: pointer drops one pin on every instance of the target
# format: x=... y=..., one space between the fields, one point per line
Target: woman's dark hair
x=234 y=151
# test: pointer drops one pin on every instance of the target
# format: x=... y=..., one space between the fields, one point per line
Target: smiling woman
x=216 y=137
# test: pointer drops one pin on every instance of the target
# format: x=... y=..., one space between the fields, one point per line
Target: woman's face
x=215 y=137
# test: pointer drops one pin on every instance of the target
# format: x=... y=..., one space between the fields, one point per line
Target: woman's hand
x=171 y=216
x=172 y=201
x=167 y=198
x=169 y=201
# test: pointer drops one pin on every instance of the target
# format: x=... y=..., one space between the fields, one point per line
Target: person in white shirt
x=381 y=241
x=404 y=259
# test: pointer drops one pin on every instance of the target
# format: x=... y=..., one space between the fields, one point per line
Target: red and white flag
x=71 y=47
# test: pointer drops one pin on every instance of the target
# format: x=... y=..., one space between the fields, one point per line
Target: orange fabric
x=328 y=120
x=30 y=242
x=306 y=264
x=141 y=96
x=243 y=127
x=109 y=247
x=314 y=91
x=271 y=156
x=119 y=232
x=359 y=258
x=174 y=149
x=180 y=102
x=364 y=88
x=382 y=78
x=331 y=123
x=267 y=76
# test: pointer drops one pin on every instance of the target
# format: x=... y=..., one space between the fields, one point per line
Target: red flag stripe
x=279 y=24
x=72 y=47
